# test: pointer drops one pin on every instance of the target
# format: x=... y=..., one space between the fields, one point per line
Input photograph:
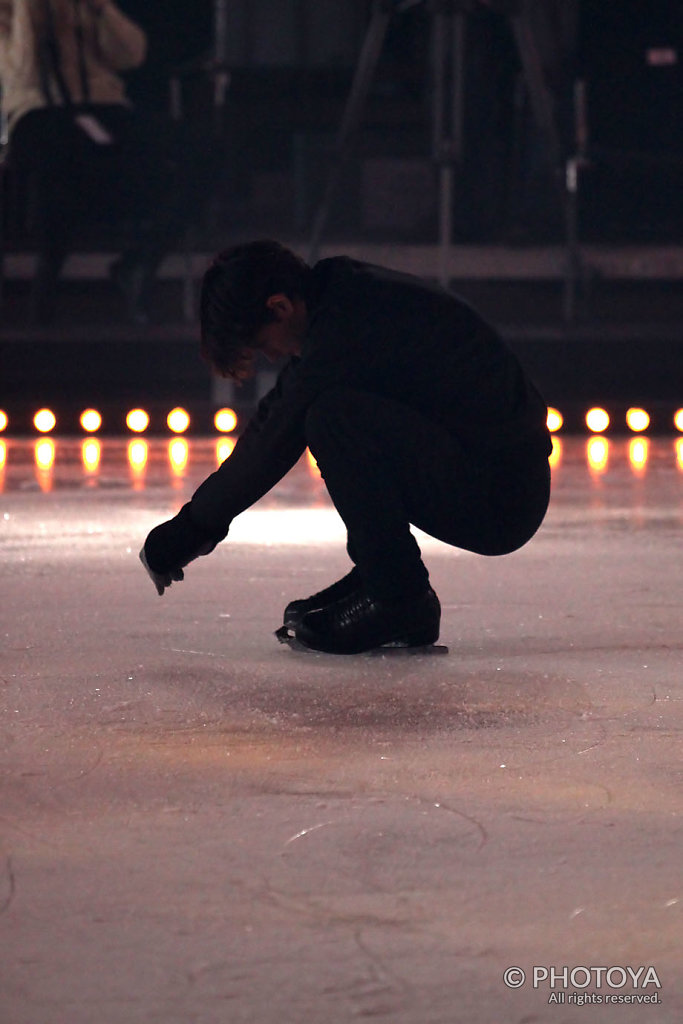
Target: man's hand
x=173 y=545
x=161 y=580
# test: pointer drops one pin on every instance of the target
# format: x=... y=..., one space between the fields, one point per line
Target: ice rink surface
x=199 y=826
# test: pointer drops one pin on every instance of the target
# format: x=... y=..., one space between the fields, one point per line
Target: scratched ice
x=201 y=825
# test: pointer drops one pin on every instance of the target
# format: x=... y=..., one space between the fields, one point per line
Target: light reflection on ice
x=597 y=454
x=137 y=460
x=178 y=455
x=312 y=464
x=556 y=454
x=638 y=451
x=299 y=526
x=289 y=526
x=44 y=453
x=679 y=453
x=224 y=448
x=91 y=451
x=145 y=465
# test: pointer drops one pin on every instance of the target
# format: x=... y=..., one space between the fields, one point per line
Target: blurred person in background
x=79 y=146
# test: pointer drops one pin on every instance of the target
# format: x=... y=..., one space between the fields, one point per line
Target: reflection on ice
x=224 y=447
x=679 y=453
x=91 y=451
x=44 y=452
x=556 y=454
x=289 y=526
x=312 y=464
x=178 y=455
x=137 y=460
x=182 y=463
x=638 y=451
x=597 y=454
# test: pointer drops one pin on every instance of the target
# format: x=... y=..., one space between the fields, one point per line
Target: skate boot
x=358 y=623
x=295 y=610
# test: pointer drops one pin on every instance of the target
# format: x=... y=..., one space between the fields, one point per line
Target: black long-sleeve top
x=382 y=332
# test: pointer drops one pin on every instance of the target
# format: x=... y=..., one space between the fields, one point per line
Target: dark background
x=291 y=64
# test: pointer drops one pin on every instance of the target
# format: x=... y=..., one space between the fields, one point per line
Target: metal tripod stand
x=449 y=28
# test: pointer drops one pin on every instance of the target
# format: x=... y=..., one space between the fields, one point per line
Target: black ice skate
x=295 y=610
x=356 y=624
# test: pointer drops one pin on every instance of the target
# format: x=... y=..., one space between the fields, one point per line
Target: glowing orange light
x=312 y=464
x=638 y=450
x=555 y=456
x=178 y=453
x=597 y=420
x=555 y=420
x=137 y=455
x=90 y=453
x=637 y=420
x=3 y=420
x=178 y=420
x=678 y=420
x=225 y=420
x=224 y=448
x=3 y=454
x=137 y=420
x=91 y=420
x=44 y=452
x=597 y=453
x=44 y=421
x=679 y=453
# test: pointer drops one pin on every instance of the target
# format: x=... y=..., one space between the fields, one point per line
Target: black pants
x=148 y=174
x=386 y=467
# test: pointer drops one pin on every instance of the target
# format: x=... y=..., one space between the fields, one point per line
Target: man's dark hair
x=234 y=293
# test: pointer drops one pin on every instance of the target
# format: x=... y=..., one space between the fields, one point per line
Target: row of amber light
x=598 y=420
x=225 y=420
x=137 y=420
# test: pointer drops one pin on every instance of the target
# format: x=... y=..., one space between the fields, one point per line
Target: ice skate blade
x=398 y=650
x=393 y=650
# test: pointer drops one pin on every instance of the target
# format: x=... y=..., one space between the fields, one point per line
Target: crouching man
x=414 y=410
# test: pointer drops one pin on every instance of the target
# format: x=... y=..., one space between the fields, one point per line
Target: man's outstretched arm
x=173 y=545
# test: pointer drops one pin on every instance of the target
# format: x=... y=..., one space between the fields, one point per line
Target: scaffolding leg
x=448 y=143
x=365 y=70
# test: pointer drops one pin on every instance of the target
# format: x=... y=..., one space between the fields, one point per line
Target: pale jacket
x=110 y=43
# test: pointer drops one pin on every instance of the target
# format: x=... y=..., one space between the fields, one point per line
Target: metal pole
x=365 y=69
x=449 y=44
x=573 y=169
x=221 y=75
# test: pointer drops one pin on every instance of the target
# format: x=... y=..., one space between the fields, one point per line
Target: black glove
x=161 y=580
x=171 y=546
